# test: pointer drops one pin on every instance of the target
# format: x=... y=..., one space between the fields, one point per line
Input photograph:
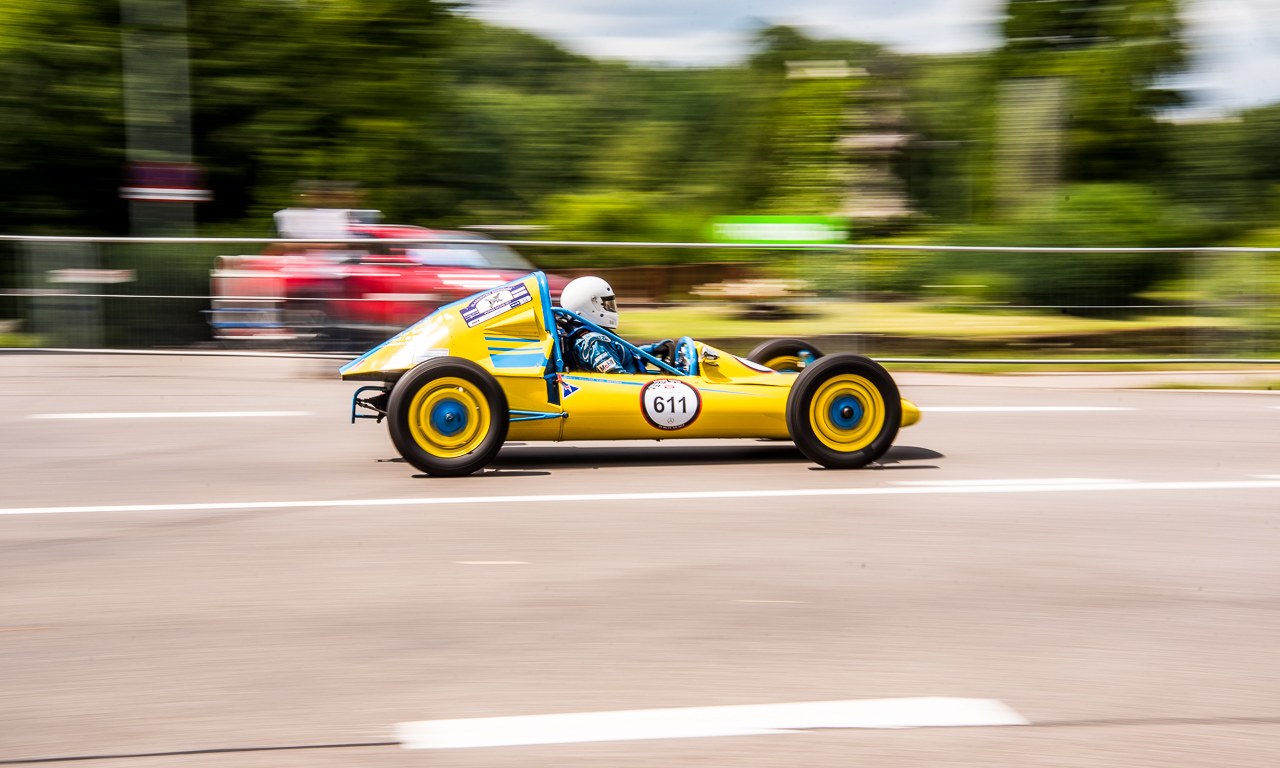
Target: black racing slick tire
x=787 y=355
x=448 y=417
x=844 y=411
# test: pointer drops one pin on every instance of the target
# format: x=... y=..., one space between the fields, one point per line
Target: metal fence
x=154 y=293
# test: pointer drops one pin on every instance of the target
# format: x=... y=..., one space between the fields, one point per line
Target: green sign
x=777 y=229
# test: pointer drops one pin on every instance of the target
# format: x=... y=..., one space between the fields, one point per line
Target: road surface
x=1100 y=562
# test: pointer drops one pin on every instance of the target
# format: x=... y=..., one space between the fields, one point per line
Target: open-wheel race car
x=490 y=368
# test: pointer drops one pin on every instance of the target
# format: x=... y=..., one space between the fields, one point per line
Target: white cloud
x=606 y=30
x=1236 y=54
x=718 y=31
x=919 y=26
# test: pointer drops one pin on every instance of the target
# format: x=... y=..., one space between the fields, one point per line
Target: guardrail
x=1051 y=361
x=1224 y=318
x=636 y=244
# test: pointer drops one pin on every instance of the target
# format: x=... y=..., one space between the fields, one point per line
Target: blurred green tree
x=801 y=168
x=61 y=130
x=1117 y=56
x=343 y=90
x=1227 y=168
x=446 y=120
x=947 y=166
x=1087 y=215
x=597 y=150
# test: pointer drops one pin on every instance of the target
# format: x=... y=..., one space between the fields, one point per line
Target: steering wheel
x=686 y=357
x=665 y=351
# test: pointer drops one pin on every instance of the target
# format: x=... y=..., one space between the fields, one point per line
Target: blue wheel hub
x=846 y=412
x=448 y=417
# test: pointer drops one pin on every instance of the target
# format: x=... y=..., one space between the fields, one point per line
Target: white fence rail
x=158 y=295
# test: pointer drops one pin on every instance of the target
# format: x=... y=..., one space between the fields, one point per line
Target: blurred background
x=1063 y=123
x=206 y=564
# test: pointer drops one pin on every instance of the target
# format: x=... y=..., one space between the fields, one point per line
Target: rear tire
x=448 y=417
x=787 y=355
x=844 y=411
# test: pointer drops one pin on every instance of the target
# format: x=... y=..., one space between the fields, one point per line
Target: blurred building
x=876 y=132
x=871 y=133
x=1029 y=141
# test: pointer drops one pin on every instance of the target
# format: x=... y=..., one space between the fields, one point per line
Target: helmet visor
x=608 y=303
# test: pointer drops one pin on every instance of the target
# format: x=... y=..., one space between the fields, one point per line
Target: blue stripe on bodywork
x=608 y=381
x=730 y=392
x=642 y=383
x=519 y=359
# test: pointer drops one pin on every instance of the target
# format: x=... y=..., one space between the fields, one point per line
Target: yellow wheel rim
x=847 y=413
x=785 y=363
x=449 y=417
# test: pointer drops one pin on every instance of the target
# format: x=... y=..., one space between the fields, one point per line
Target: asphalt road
x=1110 y=575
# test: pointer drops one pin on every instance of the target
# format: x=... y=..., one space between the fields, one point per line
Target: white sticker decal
x=495 y=303
x=670 y=403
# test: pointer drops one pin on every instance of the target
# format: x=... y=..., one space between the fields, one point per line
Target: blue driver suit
x=594 y=351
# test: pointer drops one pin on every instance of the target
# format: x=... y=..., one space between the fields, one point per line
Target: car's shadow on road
x=496 y=473
x=549 y=457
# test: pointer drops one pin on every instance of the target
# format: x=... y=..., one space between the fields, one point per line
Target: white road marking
x=693 y=722
x=490 y=562
x=1138 y=373
x=1017 y=408
x=769 y=601
x=1049 y=486
x=1217 y=392
x=174 y=415
x=1008 y=481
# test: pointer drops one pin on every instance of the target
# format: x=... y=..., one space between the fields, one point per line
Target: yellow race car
x=486 y=369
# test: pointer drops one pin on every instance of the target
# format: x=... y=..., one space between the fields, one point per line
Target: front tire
x=785 y=355
x=844 y=411
x=448 y=417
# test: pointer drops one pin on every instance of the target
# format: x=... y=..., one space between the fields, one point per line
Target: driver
x=593 y=299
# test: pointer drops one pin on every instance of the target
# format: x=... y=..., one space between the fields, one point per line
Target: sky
x=1236 y=42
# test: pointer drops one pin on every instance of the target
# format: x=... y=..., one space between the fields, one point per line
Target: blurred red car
x=352 y=294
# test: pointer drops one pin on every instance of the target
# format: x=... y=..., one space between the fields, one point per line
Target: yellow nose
x=910 y=413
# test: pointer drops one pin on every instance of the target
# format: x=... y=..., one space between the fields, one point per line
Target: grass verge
x=903 y=319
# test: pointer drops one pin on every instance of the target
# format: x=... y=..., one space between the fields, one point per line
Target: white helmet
x=593 y=299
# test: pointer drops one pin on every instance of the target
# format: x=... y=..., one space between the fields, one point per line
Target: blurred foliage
x=346 y=90
x=1111 y=215
x=805 y=166
x=1086 y=215
x=61 y=126
x=1115 y=55
x=447 y=121
x=950 y=109
x=1229 y=169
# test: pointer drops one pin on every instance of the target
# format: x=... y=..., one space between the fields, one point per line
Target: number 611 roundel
x=670 y=404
